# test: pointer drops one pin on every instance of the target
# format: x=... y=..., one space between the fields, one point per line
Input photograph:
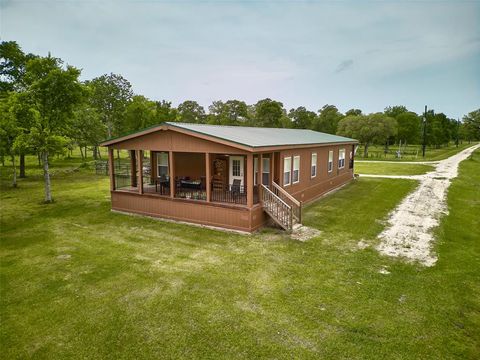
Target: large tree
x=140 y=113
x=12 y=71
x=302 y=118
x=409 y=127
x=327 y=119
x=110 y=95
x=9 y=130
x=54 y=90
x=231 y=112
x=368 y=129
x=164 y=111
x=268 y=113
x=191 y=112
x=471 y=125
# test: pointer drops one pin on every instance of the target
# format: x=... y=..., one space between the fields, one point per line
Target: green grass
x=378 y=168
x=411 y=152
x=78 y=281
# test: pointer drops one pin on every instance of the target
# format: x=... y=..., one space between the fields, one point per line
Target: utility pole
x=424 y=145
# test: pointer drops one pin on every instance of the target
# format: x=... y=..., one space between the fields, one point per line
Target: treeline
x=45 y=110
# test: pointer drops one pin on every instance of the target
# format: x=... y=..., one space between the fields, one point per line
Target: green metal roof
x=262 y=137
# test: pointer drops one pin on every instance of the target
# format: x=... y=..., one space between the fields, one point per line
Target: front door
x=236 y=169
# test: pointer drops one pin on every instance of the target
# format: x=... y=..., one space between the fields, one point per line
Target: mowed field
x=78 y=281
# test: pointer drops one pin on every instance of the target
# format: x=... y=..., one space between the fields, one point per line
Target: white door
x=236 y=169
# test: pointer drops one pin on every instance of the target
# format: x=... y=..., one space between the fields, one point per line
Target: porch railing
x=290 y=200
x=228 y=193
x=278 y=209
x=122 y=181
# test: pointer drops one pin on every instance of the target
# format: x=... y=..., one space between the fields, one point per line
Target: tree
x=353 y=112
x=165 y=112
x=12 y=67
x=268 y=113
x=9 y=130
x=86 y=128
x=54 y=91
x=12 y=71
x=140 y=113
x=191 y=112
x=409 y=126
x=471 y=125
x=327 y=120
x=302 y=118
x=394 y=111
x=368 y=129
x=231 y=112
x=111 y=94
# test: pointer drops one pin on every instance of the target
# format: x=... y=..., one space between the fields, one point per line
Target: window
x=341 y=158
x=265 y=171
x=287 y=166
x=162 y=164
x=330 y=161
x=296 y=169
x=236 y=167
x=255 y=171
x=314 y=165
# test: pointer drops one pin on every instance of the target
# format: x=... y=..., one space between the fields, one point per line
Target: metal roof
x=263 y=137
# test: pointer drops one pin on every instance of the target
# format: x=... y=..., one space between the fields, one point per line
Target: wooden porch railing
x=278 y=209
x=290 y=200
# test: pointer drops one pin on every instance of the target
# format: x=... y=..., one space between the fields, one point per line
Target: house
x=225 y=176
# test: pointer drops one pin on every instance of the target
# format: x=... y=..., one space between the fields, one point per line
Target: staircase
x=282 y=207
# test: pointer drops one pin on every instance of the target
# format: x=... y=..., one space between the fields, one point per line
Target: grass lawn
x=378 y=168
x=411 y=152
x=78 y=281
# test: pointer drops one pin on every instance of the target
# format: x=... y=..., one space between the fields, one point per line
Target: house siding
x=308 y=188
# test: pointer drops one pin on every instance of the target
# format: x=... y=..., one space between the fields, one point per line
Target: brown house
x=226 y=176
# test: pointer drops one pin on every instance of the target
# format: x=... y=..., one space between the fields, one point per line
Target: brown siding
x=309 y=188
x=189 y=164
x=168 y=140
x=237 y=218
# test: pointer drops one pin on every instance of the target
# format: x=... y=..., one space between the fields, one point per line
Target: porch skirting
x=212 y=214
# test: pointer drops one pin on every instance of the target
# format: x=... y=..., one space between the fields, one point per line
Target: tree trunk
x=95 y=151
x=14 y=183
x=99 y=153
x=39 y=159
x=46 y=176
x=81 y=153
x=22 y=166
x=365 y=151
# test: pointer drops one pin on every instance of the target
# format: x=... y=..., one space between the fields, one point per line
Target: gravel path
x=409 y=230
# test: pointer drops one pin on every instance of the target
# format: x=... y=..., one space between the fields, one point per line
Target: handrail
x=275 y=196
x=286 y=194
x=278 y=209
x=296 y=205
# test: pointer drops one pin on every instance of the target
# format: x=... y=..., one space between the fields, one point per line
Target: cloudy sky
x=353 y=54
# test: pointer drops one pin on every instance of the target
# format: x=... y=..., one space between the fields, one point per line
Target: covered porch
x=192 y=176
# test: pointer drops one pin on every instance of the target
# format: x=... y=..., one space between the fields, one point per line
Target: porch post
x=249 y=180
x=111 y=168
x=207 y=176
x=140 y=171
x=133 y=167
x=171 y=169
x=260 y=170
x=272 y=169
x=152 y=167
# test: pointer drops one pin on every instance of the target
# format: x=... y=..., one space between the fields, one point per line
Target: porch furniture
x=162 y=183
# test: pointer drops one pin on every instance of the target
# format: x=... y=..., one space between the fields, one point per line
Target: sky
x=352 y=54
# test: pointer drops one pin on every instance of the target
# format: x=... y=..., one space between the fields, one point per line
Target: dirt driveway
x=409 y=231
